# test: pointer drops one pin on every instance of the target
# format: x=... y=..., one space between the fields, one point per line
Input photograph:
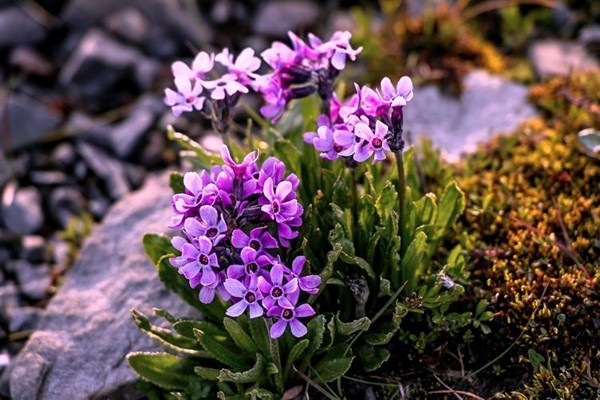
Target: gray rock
x=9 y=300
x=489 y=105
x=98 y=70
x=33 y=248
x=128 y=23
x=29 y=122
x=88 y=128
x=589 y=36
x=171 y=16
x=61 y=255
x=30 y=61
x=110 y=170
x=48 y=178
x=91 y=310
x=24 y=319
x=64 y=155
x=65 y=203
x=554 y=57
x=17 y=28
x=34 y=280
x=146 y=73
x=276 y=18
x=24 y=214
x=127 y=134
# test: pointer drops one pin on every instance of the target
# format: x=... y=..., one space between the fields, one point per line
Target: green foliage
x=370 y=260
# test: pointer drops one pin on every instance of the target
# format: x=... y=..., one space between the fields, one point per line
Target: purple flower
x=249 y=297
x=210 y=225
x=279 y=207
x=275 y=292
x=203 y=63
x=373 y=142
x=243 y=67
x=396 y=96
x=243 y=169
x=309 y=283
x=289 y=316
x=259 y=240
x=195 y=260
x=338 y=48
x=226 y=85
x=254 y=265
x=334 y=143
x=186 y=98
x=198 y=191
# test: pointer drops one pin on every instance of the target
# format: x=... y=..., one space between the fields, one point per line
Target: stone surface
x=128 y=23
x=33 y=248
x=23 y=215
x=127 y=134
x=555 y=57
x=276 y=18
x=590 y=38
x=107 y=168
x=16 y=28
x=489 y=105
x=92 y=309
x=65 y=203
x=34 y=280
x=29 y=122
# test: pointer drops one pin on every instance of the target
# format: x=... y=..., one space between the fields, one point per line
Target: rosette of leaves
x=376 y=270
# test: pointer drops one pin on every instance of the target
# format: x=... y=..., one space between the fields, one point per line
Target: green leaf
x=239 y=336
x=387 y=201
x=348 y=328
x=209 y=374
x=289 y=154
x=159 y=312
x=382 y=335
x=411 y=265
x=260 y=335
x=186 y=328
x=167 y=338
x=452 y=204
x=176 y=182
x=331 y=369
x=260 y=393
x=535 y=358
x=201 y=156
x=372 y=358
x=316 y=329
x=157 y=245
x=332 y=256
x=294 y=354
x=162 y=369
x=254 y=374
x=223 y=350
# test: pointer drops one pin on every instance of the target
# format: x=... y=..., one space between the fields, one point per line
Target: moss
x=434 y=47
x=534 y=229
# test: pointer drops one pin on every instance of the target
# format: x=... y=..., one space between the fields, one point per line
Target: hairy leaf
x=162 y=369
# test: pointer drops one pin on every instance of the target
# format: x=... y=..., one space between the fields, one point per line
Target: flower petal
x=278 y=329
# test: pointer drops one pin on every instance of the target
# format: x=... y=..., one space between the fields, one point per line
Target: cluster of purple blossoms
x=298 y=71
x=235 y=219
x=303 y=69
x=367 y=125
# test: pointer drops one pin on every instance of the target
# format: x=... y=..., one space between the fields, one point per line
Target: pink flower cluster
x=366 y=125
x=235 y=219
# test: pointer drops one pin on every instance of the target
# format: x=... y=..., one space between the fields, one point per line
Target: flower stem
x=275 y=357
x=402 y=185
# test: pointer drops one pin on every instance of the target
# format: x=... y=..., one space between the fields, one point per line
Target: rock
x=48 y=178
x=64 y=155
x=29 y=122
x=146 y=73
x=34 y=280
x=61 y=255
x=127 y=134
x=489 y=105
x=221 y=11
x=135 y=175
x=24 y=319
x=91 y=310
x=110 y=170
x=18 y=28
x=276 y=18
x=30 y=61
x=554 y=57
x=152 y=153
x=88 y=128
x=65 y=203
x=98 y=72
x=33 y=248
x=589 y=36
x=23 y=215
x=9 y=300
x=99 y=206
x=128 y=23
x=174 y=19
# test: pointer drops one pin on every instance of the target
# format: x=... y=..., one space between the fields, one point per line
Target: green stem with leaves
x=401 y=184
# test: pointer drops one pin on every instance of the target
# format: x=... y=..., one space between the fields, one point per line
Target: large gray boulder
x=489 y=105
x=79 y=349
